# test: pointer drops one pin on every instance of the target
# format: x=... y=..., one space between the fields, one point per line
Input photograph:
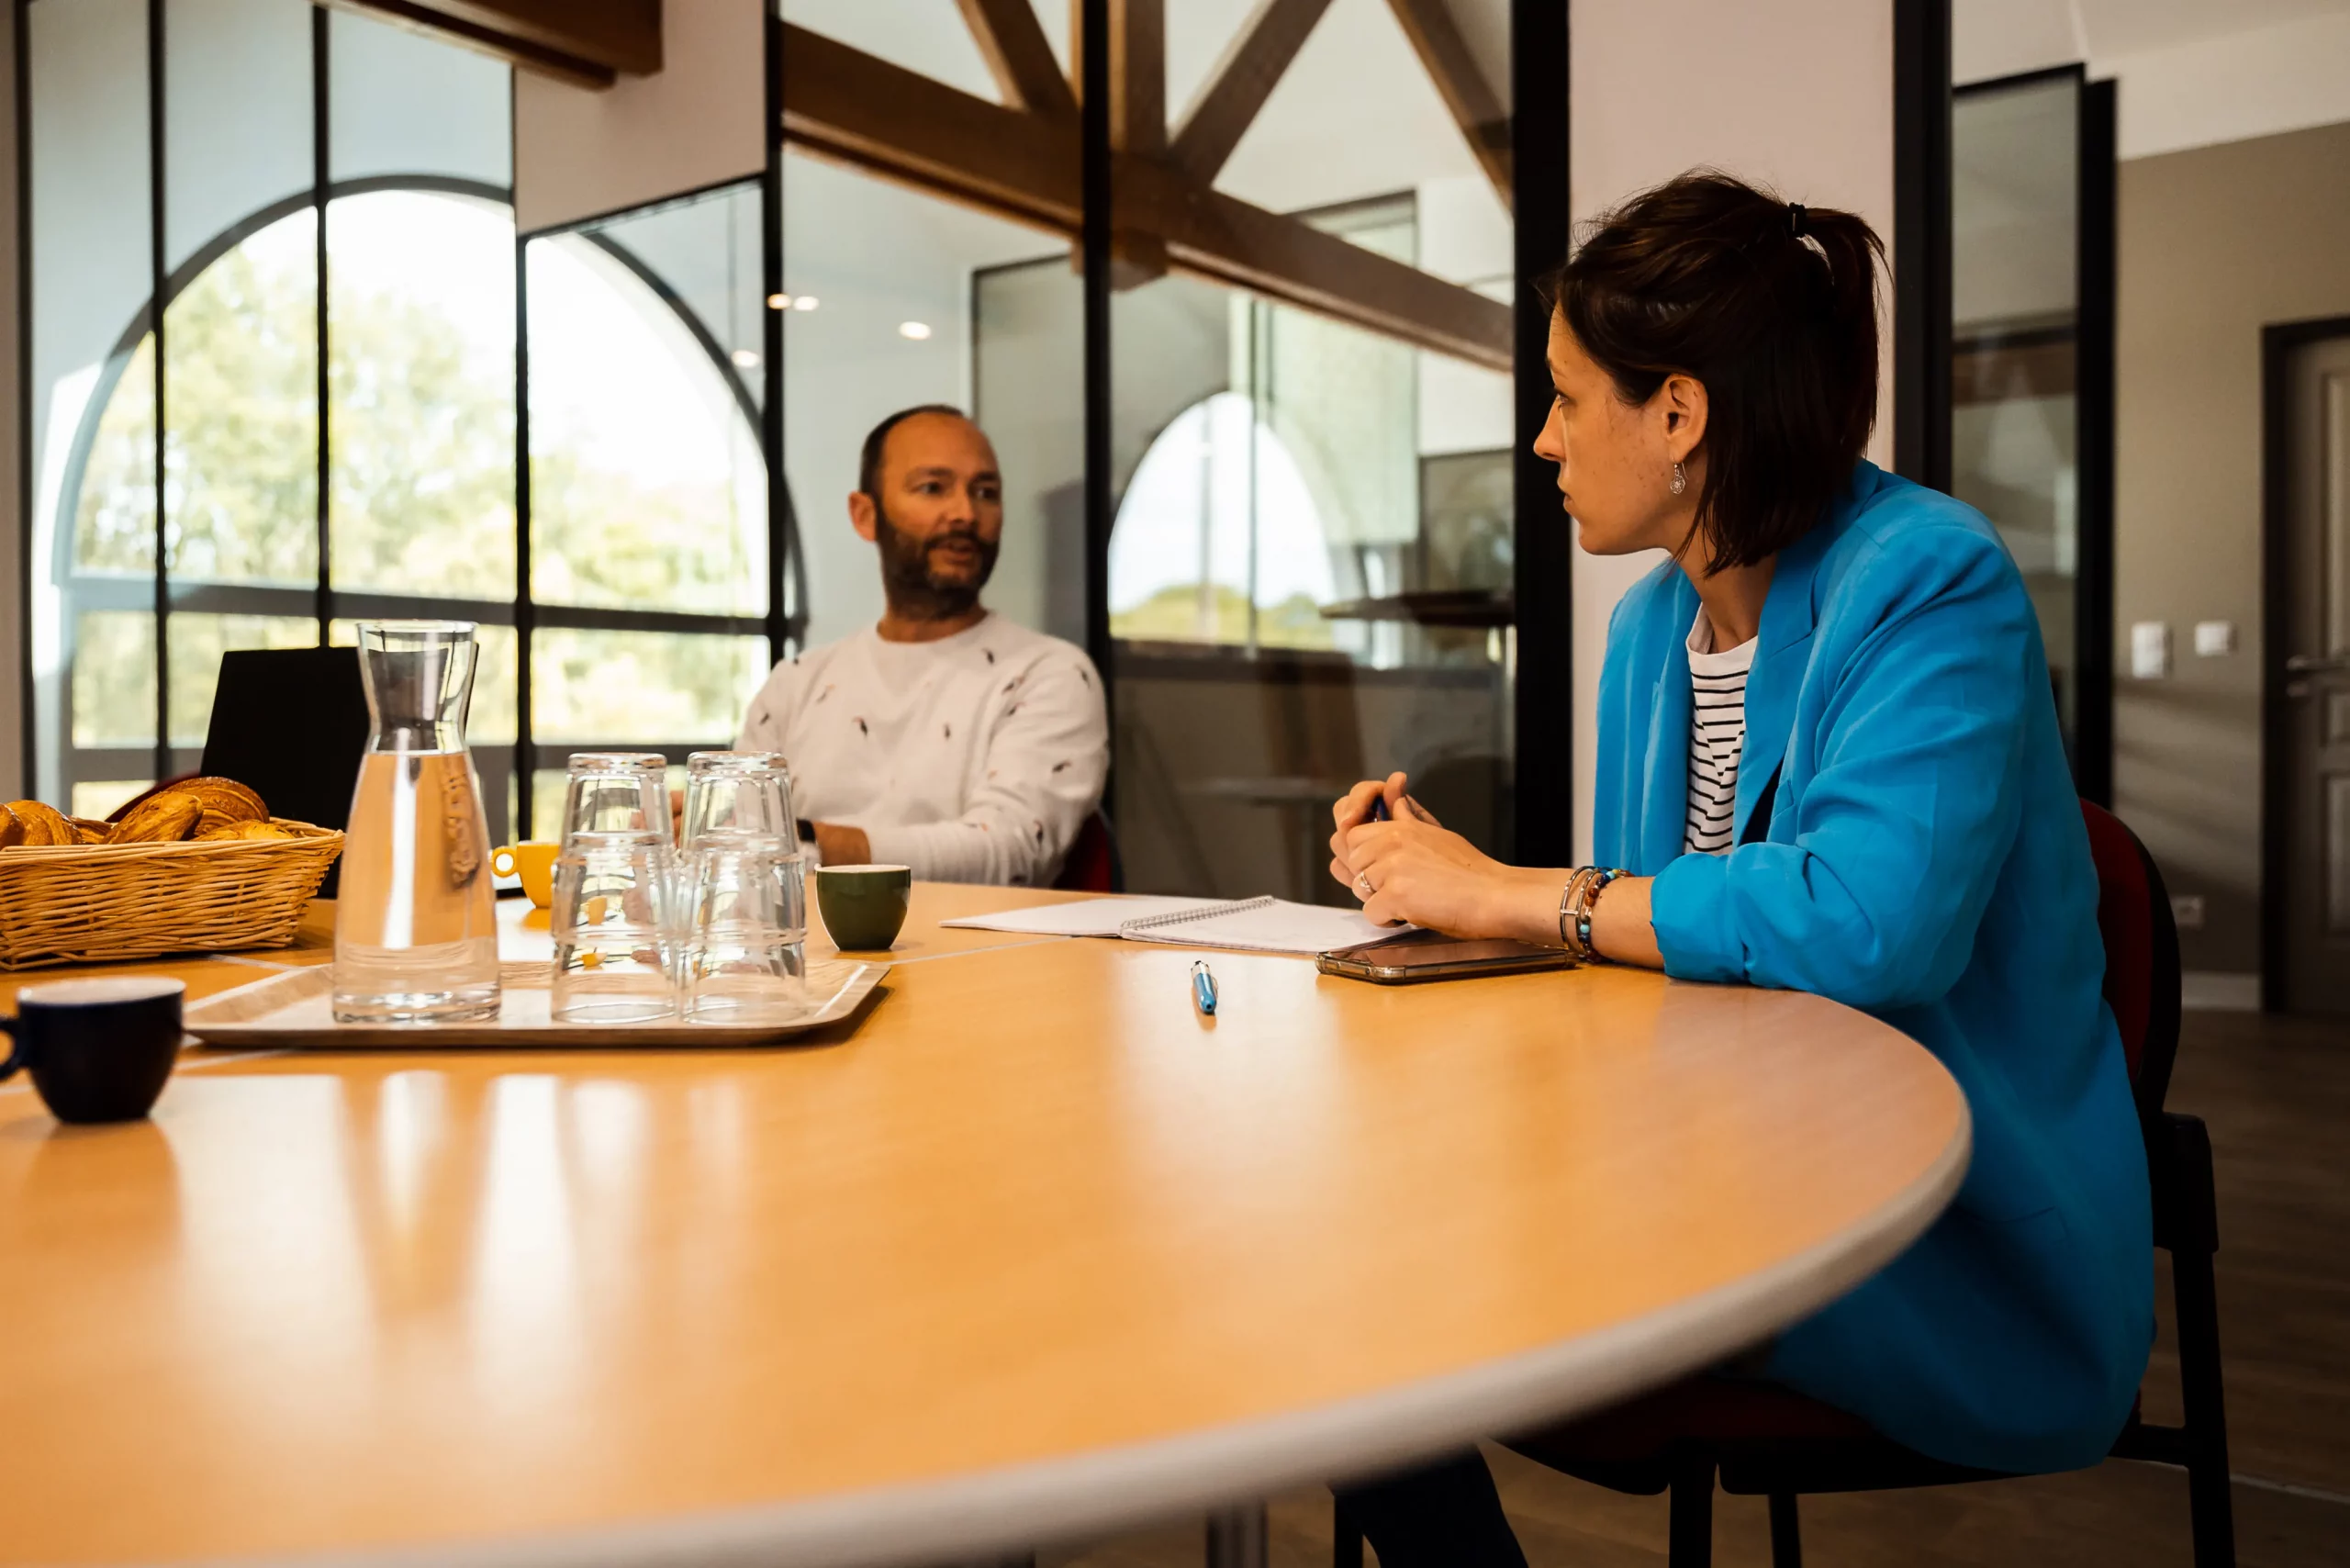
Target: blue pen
x=1202 y=987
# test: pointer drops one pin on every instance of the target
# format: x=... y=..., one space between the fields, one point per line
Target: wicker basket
x=102 y=903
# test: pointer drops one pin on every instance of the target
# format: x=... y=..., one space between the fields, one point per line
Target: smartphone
x=1432 y=956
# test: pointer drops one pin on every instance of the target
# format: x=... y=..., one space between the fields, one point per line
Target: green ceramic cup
x=862 y=905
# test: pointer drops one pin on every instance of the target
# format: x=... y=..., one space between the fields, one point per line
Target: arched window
x=1219 y=538
x=648 y=487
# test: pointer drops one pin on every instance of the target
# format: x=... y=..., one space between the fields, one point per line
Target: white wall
x=2193 y=73
x=1798 y=96
x=696 y=122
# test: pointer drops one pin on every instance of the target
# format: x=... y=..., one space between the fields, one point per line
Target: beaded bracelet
x=1589 y=900
x=1575 y=901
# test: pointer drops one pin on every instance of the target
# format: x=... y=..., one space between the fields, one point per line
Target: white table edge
x=972 y=1517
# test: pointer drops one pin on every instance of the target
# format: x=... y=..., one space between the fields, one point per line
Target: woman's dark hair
x=1772 y=307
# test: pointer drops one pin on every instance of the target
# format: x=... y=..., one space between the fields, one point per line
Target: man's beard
x=915 y=587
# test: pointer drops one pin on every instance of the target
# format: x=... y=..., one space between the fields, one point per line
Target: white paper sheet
x=1270 y=925
x=1080 y=917
x=1256 y=925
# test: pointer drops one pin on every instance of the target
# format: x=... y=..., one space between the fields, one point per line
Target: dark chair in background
x=1091 y=864
x=1765 y=1441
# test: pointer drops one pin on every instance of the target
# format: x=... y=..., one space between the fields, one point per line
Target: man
x=943 y=738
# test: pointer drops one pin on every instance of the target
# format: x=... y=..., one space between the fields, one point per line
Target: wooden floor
x=2277 y=1095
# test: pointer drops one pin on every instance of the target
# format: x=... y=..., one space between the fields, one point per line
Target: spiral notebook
x=1265 y=924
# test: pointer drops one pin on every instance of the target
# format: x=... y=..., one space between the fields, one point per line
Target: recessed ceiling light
x=778 y=302
x=804 y=302
x=747 y=358
x=917 y=330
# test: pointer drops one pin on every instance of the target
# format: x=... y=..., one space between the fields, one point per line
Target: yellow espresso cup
x=534 y=863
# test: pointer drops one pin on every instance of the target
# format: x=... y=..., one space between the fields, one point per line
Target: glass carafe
x=415 y=937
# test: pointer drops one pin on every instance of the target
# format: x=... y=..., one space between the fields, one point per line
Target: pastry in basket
x=12 y=829
x=223 y=798
x=225 y=833
x=91 y=829
x=44 y=825
x=163 y=818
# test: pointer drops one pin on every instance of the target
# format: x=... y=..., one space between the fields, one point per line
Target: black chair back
x=291 y=724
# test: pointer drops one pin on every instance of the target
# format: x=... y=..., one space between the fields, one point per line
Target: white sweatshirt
x=975 y=758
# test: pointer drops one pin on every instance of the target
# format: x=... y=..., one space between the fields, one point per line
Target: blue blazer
x=1926 y=863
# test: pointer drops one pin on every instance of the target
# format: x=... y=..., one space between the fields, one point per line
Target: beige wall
x=696 y=122
x=2215 y=243
x=1797 y=96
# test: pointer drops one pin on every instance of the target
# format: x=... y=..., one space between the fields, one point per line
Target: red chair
x=1762 y=1439
x=1091 y=864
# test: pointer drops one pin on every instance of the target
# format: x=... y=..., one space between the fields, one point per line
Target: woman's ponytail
x=1853 y=253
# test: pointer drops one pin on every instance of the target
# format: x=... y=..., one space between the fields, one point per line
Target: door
x=2315 y=595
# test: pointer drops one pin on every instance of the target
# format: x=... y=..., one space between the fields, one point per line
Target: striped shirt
x=1717 y=737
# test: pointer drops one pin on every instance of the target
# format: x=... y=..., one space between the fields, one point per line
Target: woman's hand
x=1354 y=807
x=1411 y=868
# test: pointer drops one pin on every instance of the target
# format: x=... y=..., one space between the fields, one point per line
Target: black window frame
x=782 y=624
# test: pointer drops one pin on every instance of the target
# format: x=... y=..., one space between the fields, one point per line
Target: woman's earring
x=1680 y=479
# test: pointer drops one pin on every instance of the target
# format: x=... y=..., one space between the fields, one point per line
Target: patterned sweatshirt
x=975 y=758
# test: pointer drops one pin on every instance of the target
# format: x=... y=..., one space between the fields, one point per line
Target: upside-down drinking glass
x=615 y=892
x=743 y=959
x=739 y=793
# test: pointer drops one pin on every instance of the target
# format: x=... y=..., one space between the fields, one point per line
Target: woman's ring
x=1362 y=885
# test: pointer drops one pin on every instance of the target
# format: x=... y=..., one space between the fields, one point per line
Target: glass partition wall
x=2031 y=405
x=1308 y=563
x=370 y=397
x=1310 y=570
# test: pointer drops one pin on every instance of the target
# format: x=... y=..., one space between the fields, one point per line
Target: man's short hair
x=869 y=463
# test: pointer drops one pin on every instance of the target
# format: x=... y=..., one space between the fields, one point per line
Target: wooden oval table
x=1031 y=1251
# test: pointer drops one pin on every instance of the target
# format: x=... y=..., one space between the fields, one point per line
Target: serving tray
x=294 y=1010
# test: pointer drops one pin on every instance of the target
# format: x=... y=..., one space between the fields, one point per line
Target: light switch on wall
x=2149 y=650
x=2214 y=638
x=2187 y=911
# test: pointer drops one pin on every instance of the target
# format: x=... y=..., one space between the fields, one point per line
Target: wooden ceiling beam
x=1475 y=107
x=1137 y=76
x=858 y=109
x=1237 y=89
x=590 y=43
x=1020 y=56
x=883 y=119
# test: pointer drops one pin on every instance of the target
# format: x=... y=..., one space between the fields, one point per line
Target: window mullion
x=155 y=303
x=525 y=607
x=322 y=174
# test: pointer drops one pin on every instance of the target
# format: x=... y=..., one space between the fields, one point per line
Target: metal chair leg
x=1691 y=1542
x=2187 y=1225
x=1239 y=1537
x=1787 y=1532
x=2210 y=1501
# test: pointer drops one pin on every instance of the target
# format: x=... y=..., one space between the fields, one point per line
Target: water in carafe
x=416 y=940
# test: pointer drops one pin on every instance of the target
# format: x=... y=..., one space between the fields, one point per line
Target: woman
x=1828 y=762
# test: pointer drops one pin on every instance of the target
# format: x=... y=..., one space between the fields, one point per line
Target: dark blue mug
x=99 y=1049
